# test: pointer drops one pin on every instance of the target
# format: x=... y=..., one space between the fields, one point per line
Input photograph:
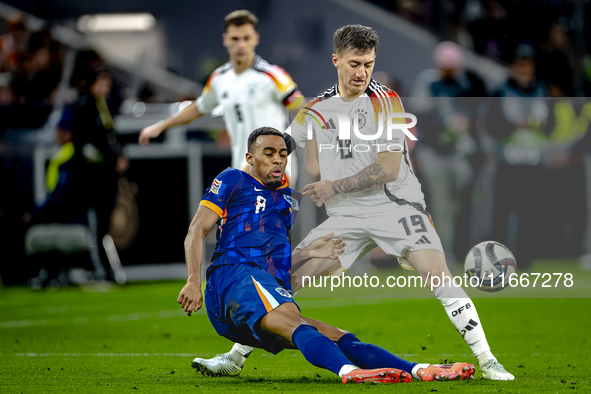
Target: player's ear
x=256 y=39
x=335 y=59
x=249 y=158
x=224 y=37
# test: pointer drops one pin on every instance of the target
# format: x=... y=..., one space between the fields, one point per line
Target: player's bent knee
x=431 y=265
x=282 y=321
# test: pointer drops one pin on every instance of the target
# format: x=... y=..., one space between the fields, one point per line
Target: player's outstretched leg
x=324 y=353
x=285 y=322
x=459 y=308
x=367 y=355
x=227 y=364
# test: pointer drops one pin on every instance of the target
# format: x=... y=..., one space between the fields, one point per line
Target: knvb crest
x=295 y=205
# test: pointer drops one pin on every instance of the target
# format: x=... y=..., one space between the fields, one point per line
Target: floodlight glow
x=116 y=22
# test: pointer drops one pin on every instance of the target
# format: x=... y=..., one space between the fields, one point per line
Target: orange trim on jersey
x=429 y=217
x=224 y=218
x=212 y=206
x=266 y=302
x=282 y=87
x=207 y=87
x=394 y=106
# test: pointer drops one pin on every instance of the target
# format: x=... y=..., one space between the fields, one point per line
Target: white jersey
x=342 y=159
x=255 y=98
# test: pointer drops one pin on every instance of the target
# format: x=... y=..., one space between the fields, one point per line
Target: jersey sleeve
x=208 y=99
x=286 y=90
x=306 y=118
x=386 y=104
x=221 y=191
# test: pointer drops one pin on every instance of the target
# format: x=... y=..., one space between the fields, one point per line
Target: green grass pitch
x=136 y=338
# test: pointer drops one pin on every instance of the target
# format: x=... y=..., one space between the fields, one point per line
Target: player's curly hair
x=239 y=18
x=252 y=138
x=361 y=39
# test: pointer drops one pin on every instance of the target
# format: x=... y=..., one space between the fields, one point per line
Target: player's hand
x=152 y=131
x=190 y=298
x=319 y=192
x=326 y=247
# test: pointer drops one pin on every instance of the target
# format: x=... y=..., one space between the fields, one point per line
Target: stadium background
x=158 y=68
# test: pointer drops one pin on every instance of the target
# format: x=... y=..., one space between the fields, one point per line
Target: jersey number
x=238 y=113
x=416 y=220
x=344 y=146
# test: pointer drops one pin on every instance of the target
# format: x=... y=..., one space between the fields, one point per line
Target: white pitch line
x=305 y=304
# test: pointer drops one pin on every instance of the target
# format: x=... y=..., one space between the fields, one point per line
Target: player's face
x=240 y=42
x=268 y=160
x=354 y=71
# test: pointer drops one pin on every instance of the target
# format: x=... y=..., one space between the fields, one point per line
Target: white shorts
x=397 y=231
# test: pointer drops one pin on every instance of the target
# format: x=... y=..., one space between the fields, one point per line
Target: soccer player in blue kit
x=248 y=292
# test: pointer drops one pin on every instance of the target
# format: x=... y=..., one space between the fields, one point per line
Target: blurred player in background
x=248 y=293
x=252 y=92
x=373 y=197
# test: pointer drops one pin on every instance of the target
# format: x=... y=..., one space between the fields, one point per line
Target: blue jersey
x=255 y=221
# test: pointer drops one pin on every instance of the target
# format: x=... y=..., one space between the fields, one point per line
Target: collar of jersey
x=338 y=94
x=284 y=182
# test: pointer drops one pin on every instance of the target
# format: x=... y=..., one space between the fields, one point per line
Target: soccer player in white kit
x=372 y=195
x=252 y=92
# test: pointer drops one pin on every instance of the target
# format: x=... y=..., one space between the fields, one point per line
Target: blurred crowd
x=504 y=162
x=82 y=174
x=494 y=28
x=510 y=162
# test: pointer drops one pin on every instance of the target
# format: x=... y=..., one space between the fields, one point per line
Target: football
x=492 y=263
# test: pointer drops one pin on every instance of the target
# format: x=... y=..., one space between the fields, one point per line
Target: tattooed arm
x=382 y=171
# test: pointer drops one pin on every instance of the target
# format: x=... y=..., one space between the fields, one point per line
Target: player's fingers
x=308 y=192
x=319 y=203
x=189 y=313
x=328 y=237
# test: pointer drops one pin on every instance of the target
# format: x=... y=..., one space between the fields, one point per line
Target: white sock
x=416 y=368
x=462 y=313
x=239 y=353
x=345 y=369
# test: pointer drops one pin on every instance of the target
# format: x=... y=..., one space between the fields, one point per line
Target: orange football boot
x=457 y=371
x=381 y=375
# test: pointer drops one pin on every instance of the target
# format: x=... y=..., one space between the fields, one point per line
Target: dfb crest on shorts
x=283 y=292
x=215 y=186
x=292 y=201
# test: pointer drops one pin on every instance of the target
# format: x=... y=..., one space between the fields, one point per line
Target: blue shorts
x=237 y=297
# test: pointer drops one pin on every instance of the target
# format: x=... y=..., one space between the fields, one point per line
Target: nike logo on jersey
x=257 y=190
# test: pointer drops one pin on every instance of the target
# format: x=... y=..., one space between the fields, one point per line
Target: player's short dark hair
x=239 y=18
x=252 y=138
x=361 y=39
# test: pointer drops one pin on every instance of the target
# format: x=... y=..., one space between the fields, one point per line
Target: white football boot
x=220 y=365
x=493 y=370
